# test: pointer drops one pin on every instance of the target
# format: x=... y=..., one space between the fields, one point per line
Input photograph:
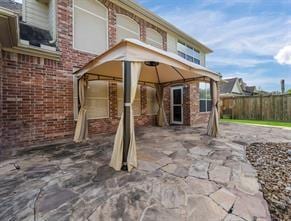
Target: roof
x=226 y=85
x=169 y=67
x=11 y=5
x=250 y=89
x=133 y=4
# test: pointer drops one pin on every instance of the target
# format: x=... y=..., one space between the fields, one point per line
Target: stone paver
x=224 y=198
x=220 y=174
x=203 y=208
x=182 y=175
x=199 y=169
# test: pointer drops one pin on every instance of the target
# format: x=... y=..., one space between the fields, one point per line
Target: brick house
x=48 y=40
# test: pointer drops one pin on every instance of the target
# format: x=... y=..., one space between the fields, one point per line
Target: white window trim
x=203 y=99
x=124 y=28
x=106 y=19
x=194 y=53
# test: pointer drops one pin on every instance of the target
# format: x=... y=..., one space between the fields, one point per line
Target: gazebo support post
x=126 y=112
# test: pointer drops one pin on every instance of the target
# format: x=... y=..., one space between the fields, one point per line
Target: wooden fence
x=270 y=107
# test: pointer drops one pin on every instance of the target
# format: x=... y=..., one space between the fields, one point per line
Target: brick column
x=111 y=25
x=112 y=99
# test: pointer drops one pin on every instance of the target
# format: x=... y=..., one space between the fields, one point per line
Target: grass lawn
x=259 y=122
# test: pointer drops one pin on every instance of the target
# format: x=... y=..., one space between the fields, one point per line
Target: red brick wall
x=191 y=114
x=37 y=104
x=37 y=93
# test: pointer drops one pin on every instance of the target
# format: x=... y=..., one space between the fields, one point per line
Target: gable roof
x=226 y=85
x=11 y=5
x=250 y=89
x=170 y=67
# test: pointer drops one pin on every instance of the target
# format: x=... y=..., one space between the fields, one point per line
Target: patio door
x=177 y=105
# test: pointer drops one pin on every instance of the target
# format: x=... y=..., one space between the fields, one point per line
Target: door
x=177 y=105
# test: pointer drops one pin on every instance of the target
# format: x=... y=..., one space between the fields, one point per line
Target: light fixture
x=151 y=63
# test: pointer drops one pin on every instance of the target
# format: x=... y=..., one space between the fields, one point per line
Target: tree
x=289 y=91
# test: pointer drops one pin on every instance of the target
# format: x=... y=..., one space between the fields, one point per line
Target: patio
x=182 y=175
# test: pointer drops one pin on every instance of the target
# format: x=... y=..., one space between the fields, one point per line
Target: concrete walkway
x=182 y=175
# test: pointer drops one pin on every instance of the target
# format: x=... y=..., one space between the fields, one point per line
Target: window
x=136 y=104
x=41 y=14
x=90 y=26
x=154 y=38
x=188 y=52
x=126 y=28
x=97 y=99
x=152 y=102
x=204 y=97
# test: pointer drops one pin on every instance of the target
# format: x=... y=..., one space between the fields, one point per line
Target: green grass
x=259 y=122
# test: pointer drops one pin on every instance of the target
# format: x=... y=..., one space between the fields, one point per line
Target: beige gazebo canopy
x=134 y=61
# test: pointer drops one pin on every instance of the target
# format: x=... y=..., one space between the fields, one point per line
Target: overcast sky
x=250 y=38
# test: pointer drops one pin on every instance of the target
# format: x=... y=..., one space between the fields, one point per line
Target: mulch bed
x=273 y=165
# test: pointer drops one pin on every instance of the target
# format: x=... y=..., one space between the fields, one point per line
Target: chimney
x=283 y=86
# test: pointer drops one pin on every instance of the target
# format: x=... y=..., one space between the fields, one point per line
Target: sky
x=251 y=39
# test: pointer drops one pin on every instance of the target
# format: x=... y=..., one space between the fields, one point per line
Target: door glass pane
x=177 y=96
x=202 y=106
x=177 y=115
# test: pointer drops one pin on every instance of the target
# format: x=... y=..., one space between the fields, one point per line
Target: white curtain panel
x=162 y=119
x=81 y=131
x=116 y=158
x=213 y=124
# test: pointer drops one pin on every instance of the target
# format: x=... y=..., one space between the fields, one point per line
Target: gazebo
x=135 y=62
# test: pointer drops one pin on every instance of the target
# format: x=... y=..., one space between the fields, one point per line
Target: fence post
x=261 y=106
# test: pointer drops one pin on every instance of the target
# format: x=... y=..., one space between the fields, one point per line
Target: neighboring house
x=50 y=39
x=236 y=87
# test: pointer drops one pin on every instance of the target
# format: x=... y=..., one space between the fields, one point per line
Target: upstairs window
x=154 y=38
x=189 y=53
x=126 y=28
x=205 y=104
x=40 y=14
x=90 y=26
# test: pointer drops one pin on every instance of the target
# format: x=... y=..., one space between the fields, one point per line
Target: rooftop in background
x=237 y=87
x=226 y=85
x=12 y=5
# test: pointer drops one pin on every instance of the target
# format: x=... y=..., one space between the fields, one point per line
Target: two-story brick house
x=48 y=40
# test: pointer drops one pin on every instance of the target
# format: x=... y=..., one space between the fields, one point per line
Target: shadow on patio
x=182 y=175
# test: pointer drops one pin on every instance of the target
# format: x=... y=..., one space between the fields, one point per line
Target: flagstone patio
x=182 y=175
